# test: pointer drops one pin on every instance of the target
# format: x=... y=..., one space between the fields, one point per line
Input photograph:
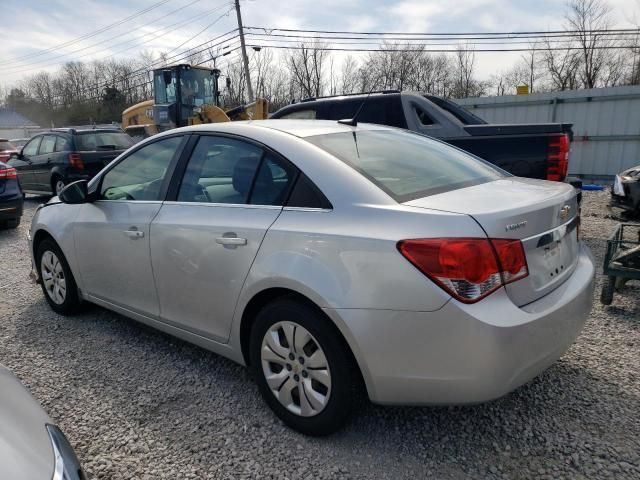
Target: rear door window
x=220 y=170
x=226 y=170
x=48 y=144
x=423 y=117
x=272 y=182
x=307 y=114
x=407 y=165
x=62 y=144
x=380 y=109
x=94 y=141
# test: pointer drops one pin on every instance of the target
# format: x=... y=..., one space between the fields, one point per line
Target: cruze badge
x=564 y=212
x=516 y=226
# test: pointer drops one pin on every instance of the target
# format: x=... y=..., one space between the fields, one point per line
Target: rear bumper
x=467 y=353
x=11 y=208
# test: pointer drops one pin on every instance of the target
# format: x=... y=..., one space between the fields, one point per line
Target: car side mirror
x=75 y=192
x=16 y=156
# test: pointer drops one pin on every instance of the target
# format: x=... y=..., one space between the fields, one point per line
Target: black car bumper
x=11 y=207
x=626 y=203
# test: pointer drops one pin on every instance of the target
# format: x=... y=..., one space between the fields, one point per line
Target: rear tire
x=57 y=185
x=606 y=295
x=310 y=386
x=57 y=282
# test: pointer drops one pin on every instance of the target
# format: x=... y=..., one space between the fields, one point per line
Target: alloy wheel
x=296 y=368
x=53 y=277
x=59 y=186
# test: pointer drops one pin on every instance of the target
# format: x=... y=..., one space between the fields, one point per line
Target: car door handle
x=231 y=241
x=134 y=233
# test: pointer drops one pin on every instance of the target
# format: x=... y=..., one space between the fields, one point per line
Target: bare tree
x=306 y=65
x=585 y=17
x=464 y=83
x=561 y=66
x=349 y=75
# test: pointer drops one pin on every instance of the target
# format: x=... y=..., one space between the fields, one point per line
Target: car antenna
x=353 y=121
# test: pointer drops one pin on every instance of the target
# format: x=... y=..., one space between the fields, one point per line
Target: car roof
x=298 y=128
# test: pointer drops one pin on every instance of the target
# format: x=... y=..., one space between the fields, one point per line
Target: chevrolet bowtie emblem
x=564 y=212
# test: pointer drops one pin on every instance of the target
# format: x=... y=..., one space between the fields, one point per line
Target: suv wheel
x=302 y=367
x=57 y=185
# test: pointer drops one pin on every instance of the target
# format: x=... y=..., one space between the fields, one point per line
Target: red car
x=6 y=149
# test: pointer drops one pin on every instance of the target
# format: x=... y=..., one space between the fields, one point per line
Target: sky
x=34 y=32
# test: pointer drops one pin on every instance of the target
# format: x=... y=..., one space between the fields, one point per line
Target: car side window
x=308 y=114
x=220 y=170
x=306 y=195
x=62 y=144
x=31 y=148
x=423 y=116
x=273 y=182
x=47 y=145
x=141 y=174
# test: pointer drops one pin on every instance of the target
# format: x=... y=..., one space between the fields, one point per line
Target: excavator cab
x=181 y=92
x=185 y=95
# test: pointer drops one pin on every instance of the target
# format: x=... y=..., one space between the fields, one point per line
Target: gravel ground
x=136 y=403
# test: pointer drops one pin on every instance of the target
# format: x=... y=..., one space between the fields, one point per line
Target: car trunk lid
x=543 y=215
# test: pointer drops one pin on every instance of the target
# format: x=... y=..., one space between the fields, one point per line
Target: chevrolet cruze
x=327 y=256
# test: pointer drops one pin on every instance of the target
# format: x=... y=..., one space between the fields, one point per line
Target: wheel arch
x=55 y=173
x=38 y=237
x=268 y=295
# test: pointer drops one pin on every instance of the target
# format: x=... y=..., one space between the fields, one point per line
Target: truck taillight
x=76 y=160
x=558 y=157
x=8 y=173
x=468 y=269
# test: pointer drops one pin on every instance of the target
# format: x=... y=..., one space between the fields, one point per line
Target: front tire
x=302 y=367
x=58 y=285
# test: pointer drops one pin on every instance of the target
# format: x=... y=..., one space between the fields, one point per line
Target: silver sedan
x=327 y=257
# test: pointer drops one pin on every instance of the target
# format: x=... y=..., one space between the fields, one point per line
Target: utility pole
x=244 y=52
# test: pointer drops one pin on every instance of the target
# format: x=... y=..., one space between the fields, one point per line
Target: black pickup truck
x=534 y=150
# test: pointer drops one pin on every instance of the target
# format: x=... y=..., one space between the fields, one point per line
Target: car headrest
x=243 y=174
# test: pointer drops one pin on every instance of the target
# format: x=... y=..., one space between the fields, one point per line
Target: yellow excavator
x=185 y=95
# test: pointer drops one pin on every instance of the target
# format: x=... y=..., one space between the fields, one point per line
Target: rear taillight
x=8 y=173
x=469 y=269
x=76 y=161
x=558 y=157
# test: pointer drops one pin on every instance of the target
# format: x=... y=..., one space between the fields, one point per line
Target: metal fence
x=606 y=124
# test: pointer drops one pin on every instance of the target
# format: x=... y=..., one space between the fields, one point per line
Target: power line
x=90 y=34
x=157 y=34
x=108 y=40
x=537 y=33
x=413 y=42
x=507 y=39
x=173 y=59
x=470 y=50
x=201 y=31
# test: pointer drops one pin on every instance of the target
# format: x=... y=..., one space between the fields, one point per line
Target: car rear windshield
x=4 y=145
x=92 y=141
x=407 y=165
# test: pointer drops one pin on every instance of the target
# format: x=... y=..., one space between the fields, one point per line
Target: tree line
x=98 y=91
